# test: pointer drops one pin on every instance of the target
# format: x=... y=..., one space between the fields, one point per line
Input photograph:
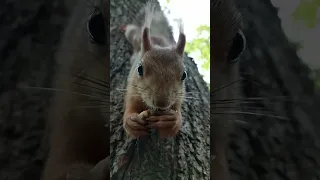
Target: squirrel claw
x=135 y=125
x=167 y=125
x=135 y=133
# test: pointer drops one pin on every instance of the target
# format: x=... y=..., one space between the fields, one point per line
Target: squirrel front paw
x=136 y=125
x=166 y=123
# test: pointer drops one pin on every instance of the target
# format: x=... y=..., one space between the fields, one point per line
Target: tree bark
x=29 y=34
x=269 y=147
x=184 y=157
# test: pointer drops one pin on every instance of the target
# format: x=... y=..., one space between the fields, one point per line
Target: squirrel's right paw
x=135 y=125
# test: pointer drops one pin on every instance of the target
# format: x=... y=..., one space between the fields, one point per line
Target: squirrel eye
x=95 y=28
x=140 y=70
x=184 y=75
x=237 y=48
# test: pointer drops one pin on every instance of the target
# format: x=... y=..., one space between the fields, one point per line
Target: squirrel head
x=161 y=73
x=228 y=40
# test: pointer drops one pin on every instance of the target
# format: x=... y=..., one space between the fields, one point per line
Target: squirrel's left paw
x=167 y=123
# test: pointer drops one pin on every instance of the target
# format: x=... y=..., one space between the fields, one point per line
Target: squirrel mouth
x=154 y=108
x=162 y=109
x=158 y=109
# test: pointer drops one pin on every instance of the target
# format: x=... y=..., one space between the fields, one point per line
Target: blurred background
x=299 y=20
x=197 y=29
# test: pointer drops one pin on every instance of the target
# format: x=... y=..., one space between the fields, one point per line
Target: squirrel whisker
x=104 y=104
x=240 y=122
x=98 y=100
x=254 y=99
x=186 y=97
x=192 y=93
x=251 y=113
x=134 y=95
x=137 y=87
x=260 y=109
x=72 y=92
x=131 y=94
x=104 y=92
x=94 y=80
x=90 y=107
x=225 y=86
x=118 y=89
x=59 y=90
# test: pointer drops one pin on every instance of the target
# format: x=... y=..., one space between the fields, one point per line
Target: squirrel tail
x=150 y=21
x=151 y=16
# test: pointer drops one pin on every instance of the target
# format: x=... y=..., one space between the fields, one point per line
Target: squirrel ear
x=237 y=47
x=182 y=38
x=181 y=44
x=146 y=44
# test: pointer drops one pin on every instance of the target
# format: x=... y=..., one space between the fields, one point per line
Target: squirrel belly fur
x=155 y=86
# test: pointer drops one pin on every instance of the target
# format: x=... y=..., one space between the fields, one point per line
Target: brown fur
x=226 y=22
x=79 y=140
x=225 y=25
x=162 y=61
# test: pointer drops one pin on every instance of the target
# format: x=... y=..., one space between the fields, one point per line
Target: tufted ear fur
x=237 y=47
x=146 y=43
x=181 y=40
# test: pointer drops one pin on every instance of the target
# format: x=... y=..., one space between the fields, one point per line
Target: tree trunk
x=269 y=147
x=184 y=157
x=29 y=33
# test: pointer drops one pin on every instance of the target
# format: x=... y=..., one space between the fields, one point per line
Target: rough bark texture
x=183 y=157
x=30 y=31
x=267 y=149
x=270 y=148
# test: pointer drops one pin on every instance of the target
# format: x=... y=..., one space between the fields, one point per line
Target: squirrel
x=229 y=44
x=78 y=138
x=155 y=85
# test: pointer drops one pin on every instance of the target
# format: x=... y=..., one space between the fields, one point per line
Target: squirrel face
x=160 y=78
x=161 y=73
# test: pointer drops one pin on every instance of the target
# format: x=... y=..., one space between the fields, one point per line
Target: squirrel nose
x=162 y=103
